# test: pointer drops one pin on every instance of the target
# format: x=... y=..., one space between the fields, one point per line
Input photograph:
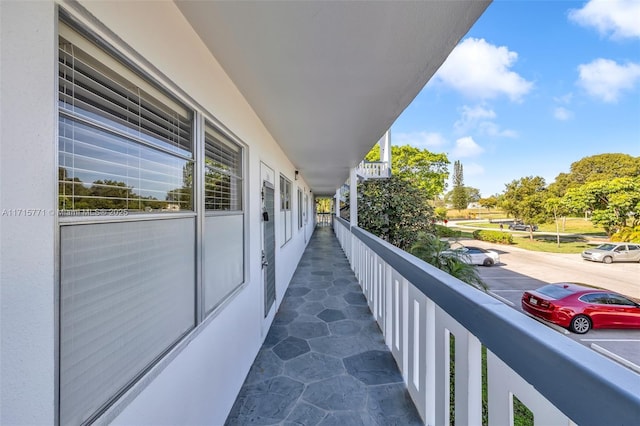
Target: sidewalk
x=324 y=361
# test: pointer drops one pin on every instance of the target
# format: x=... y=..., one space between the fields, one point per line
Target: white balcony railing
x=373 y=169
x=419 y=307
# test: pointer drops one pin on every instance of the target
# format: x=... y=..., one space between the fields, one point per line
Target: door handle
x=265 y=262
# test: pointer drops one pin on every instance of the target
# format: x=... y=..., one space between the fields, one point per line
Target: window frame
x=113 y=68
x=300 y=206
x=137 y=64
x=285 y=209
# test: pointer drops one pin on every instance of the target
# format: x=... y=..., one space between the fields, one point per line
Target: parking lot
x=522 y=270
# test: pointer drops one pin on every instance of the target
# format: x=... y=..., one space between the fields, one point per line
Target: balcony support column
x=353 y=197
x=385 y=149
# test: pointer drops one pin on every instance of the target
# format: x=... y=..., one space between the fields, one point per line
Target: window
x=285 y=209
x=598 y=298
x=223 y=172
x=616 y=299
x=127 y=288
x=306 y=208
x=300 y=209
x=123 y=144
x=224 y=221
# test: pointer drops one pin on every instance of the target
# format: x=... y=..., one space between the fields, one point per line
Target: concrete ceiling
x=328 y=78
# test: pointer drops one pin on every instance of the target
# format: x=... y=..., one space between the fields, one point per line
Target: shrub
x=493 y=236
x=628 y=235
x=443 y=231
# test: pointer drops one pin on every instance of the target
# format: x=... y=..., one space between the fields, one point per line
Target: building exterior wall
x=198 y=380
x=27 y=181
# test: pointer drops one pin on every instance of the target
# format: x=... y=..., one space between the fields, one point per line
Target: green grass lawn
x=572 y=225
x=548 y=244
x=580 y=231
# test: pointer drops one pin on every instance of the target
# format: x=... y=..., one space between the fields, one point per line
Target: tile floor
x=324 y=361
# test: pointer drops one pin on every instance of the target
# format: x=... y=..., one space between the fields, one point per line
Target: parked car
x=613 y=252
x=580 y=307
x=522 y=227
x=476 y=255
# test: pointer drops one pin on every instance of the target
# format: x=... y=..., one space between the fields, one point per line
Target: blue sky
x=533 y=87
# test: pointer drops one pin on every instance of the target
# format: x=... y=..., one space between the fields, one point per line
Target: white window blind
x=127 y=294
x=124 y=143
x=223 y=172
x=223 y=258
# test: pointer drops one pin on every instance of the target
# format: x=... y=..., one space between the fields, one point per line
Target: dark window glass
x=616 y=299
x=554 y=292
x=598 y=298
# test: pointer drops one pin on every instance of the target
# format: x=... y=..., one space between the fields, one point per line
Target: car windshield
x=554 y=291
x=606 y=247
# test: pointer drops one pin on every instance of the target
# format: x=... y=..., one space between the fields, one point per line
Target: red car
x=580 y=307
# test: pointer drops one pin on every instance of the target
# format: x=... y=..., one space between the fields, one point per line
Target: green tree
x=459 y=194
x=422 y=168
x=595 y=168
x=440 y=213
x=611 y=203
x=323 y=205
x=524 y=199
x=394 y=210
x=489 y=202
x=555 y=207
x=473 y=194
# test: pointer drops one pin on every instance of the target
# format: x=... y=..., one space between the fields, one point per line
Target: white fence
x=419 y=308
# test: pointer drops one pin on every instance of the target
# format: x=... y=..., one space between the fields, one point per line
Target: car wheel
x=580 y=324
x=607 y=259
x=487 y=262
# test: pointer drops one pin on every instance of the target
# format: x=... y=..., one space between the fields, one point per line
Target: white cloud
x=419 y=139
x=562 y=114
x=605 y=79
x=480 y=118
x=492 y=129
x=478 y=69
x=466 y=147
x=619 y=18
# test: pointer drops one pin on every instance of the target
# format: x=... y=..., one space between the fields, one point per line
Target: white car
x=478 y=256
x=613 y=252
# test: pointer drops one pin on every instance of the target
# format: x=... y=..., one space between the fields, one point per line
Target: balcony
x=337 y=355
x=373 y=170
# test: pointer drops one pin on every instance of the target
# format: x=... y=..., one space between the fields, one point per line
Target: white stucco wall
x=200 y=383
x=28 y=160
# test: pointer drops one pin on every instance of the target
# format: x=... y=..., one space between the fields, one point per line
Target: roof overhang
x=328 y=78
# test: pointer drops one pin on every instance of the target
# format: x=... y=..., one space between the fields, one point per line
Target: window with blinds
x=300 y=210
x=123 y=143
x=223 y=172
x=286 y=216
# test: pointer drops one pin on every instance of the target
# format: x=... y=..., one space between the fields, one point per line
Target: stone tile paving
x=324 y=361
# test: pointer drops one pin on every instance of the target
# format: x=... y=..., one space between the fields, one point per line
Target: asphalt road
x=522 y=270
